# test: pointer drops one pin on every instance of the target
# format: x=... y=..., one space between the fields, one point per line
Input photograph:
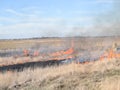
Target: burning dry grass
x=100 y=75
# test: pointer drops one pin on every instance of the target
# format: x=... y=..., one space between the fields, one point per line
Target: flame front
x=110 y=55
x=68 y=53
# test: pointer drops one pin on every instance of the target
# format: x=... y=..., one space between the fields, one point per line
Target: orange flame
x=60 y=53
x=110 y=55
x=26 y=52
x=67 y=52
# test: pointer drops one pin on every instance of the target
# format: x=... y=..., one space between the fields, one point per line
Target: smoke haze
x=108 y=24
x=104 y=24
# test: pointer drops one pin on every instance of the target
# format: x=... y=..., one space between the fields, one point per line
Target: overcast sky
x=38 y=18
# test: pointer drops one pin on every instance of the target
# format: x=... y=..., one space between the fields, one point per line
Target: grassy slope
x=98 y=75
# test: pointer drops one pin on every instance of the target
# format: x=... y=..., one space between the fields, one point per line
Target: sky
x=50 y=18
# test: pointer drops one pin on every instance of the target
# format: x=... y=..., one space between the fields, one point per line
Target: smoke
x=104 y=24
x=108 y=24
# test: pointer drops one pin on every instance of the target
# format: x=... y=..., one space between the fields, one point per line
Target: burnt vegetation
x=42 y=52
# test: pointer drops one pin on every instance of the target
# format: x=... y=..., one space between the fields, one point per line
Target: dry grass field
x=83 y=46
x=98 y=75
x=79 y=42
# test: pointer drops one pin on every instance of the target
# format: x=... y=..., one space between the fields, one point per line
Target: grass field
x=79 y=42
x=99 y=75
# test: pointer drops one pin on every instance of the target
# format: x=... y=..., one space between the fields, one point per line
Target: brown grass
x=13 y=44
x=94 y=46
x=98 y=75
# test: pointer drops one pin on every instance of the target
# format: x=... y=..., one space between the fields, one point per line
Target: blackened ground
x=32 y=65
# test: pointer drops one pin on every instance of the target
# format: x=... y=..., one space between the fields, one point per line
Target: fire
x=26 y=52
x=67 y=52
x=110 y=55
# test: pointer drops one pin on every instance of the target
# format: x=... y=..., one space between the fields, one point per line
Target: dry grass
x=13 y=44
x=80 y=42
x=94 y=46
x=111 y=83
x=98 y=75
